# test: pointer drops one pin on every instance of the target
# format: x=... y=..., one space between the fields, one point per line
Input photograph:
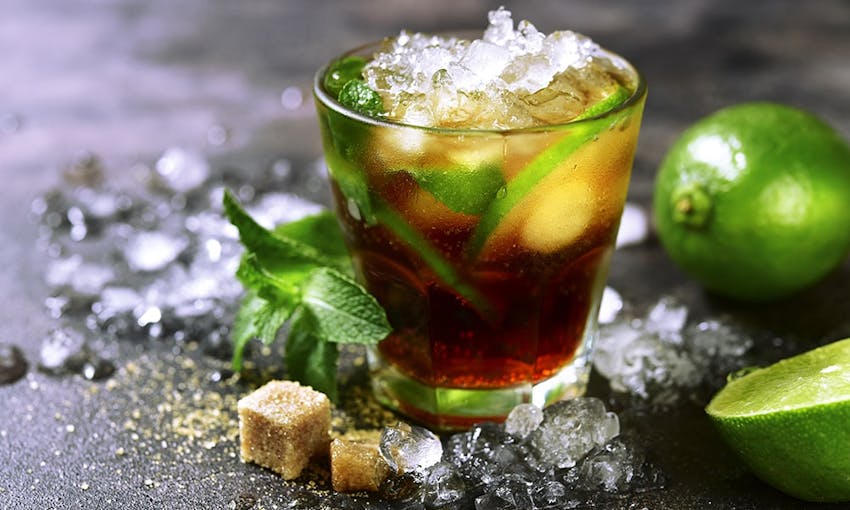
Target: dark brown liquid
x=533 y=319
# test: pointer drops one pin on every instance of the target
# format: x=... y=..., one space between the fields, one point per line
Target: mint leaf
x=268 y=286
x=344 y=311
x=320 y=231
x=276 y=254
x=308 y=358
x=341 y=72
x=297 y=273
x=467 y=191
x=357 y=96
x=256 y=318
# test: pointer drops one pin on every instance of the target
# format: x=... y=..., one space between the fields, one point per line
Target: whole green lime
x=754 y=201
x=789 y=422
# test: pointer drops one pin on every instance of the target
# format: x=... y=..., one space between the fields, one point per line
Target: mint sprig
x=301 y=273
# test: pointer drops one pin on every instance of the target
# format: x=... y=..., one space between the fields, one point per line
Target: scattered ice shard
x=661 y=356
x=610 y=306
x=666 y=319
x=443 y=486
x=523 y=420
x=634 y=226
x=63 y=350
x=572 y=428
x=152 y=251
x=72 y=273
x=182 y=170
x=610 y=467
x=408 y=448
x=115 y=301
x=276 y=208
x=59 y=272
x=550 y=494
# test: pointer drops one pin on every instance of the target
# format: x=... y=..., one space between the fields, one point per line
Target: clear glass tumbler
x=489 y=250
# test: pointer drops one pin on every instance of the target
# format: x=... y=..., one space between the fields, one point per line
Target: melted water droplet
x=741 y=373
x=13 y=365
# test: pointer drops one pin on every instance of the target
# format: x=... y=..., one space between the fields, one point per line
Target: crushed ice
x=150 y=262
x=506 y=79
x=565 y=456
x=663 y=356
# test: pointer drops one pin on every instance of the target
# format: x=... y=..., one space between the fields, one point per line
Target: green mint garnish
x=300 y=273
x=341 y=72
x=356 y=95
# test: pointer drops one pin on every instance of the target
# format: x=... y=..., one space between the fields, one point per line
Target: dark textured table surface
x=126 y=80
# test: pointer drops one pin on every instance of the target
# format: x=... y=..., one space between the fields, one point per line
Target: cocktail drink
x=480 y=188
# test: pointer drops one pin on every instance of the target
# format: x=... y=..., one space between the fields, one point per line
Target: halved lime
x=790 y=422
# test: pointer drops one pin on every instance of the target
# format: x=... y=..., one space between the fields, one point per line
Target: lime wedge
x=790 y=422
x=575 y=137
x=616 y=97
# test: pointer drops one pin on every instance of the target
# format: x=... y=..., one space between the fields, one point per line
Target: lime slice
x=790 y=422
x=613 y=99
x=575 y=136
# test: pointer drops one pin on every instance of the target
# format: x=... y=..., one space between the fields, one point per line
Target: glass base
x=449 y=409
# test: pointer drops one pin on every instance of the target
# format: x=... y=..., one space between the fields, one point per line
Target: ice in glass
x=480 y=185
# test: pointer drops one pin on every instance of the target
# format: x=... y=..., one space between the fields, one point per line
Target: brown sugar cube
x=282 y=425
x=356 y=463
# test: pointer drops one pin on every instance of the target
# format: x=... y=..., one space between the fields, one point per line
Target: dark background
x=127 y=79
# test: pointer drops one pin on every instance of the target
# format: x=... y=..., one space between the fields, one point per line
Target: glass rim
x=330 y=102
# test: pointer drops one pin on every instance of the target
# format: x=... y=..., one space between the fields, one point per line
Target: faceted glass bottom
x=449 y=409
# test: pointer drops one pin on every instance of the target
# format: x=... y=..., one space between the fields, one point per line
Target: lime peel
x=788 y=422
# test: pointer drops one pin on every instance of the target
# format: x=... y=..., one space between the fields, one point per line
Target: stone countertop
x=126 y=80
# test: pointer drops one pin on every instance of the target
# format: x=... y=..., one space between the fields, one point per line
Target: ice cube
x=610 y=467
x=443 y=486
x=501 y=28
x=153 y=250
x=480 y=438
x=572 y=428
x=409 y=448
x=509 y=493
x=566 y=49
x=484 y=61
x=547 y=228
x=549 y=494
x=523 y=420
x=182 y=169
